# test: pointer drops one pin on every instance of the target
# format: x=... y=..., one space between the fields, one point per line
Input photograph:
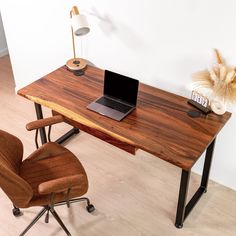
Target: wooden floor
x=133 y=196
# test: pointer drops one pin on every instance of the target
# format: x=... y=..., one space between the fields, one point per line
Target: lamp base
x=76 y=64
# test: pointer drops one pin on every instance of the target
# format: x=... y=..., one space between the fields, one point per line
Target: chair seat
x=52 y=161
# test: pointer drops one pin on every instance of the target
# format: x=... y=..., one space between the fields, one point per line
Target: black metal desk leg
x=207 y=166
x=39 y=115
x=183 y=191
x=184 y=210
x=67 y=135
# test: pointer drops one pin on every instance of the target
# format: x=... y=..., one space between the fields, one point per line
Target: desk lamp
x=79 y=27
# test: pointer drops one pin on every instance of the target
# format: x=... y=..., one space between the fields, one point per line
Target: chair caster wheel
x=90 y=208
x=16 y=212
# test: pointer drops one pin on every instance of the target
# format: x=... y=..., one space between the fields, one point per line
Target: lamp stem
x=73 y=41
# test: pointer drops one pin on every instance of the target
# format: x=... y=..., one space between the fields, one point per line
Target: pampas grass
x=219 y=80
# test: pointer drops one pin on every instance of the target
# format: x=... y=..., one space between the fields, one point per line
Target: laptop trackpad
x=106 y=111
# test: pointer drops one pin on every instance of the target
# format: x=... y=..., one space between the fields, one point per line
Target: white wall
x=3 y=43
x=158 y=42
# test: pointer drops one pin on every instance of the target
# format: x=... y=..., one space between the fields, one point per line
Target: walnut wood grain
x=101 y=135
x=159 y=125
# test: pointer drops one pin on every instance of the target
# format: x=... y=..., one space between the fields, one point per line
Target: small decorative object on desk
x=200 y=102
x=218 y=83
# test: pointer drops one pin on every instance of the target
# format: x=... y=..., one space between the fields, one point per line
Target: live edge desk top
x=159 y=125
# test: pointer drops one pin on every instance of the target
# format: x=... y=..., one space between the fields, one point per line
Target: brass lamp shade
x=79 y=27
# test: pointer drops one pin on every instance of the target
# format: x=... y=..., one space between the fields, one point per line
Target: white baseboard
x=3 y=52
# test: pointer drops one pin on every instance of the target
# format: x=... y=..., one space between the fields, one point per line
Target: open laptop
x=119 y=96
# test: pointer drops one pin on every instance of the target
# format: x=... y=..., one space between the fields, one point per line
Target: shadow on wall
x=105 y=22
x=124 y=33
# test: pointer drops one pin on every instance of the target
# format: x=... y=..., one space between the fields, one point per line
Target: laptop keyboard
x=113 y=104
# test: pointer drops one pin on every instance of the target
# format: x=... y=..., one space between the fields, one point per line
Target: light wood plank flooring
x=133 y=195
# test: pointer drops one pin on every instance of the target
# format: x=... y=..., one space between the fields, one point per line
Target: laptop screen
x=121 y=87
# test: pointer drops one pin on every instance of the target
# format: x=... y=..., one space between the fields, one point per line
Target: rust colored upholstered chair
x=49 y=177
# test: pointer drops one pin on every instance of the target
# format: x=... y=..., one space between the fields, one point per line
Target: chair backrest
x=11 y=153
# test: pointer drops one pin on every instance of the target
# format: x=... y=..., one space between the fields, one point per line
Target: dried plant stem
x=220 y=80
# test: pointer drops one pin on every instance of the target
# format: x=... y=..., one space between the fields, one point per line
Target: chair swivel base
x=16 y=212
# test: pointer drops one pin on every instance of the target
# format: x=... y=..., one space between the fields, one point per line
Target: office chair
x=51 y=176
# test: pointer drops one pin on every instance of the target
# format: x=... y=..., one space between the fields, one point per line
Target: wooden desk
x=159 y=125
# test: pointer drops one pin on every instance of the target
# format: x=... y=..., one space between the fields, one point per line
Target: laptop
x=119 y=96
